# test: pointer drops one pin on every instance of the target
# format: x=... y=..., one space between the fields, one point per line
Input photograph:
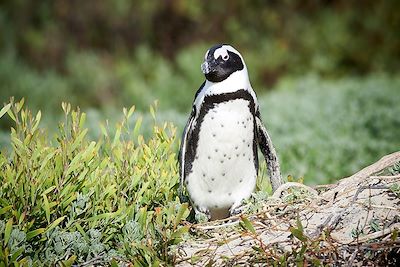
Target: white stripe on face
x=222 y=51
x=206 y=55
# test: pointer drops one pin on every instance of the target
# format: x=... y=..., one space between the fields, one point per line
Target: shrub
x=324 y=130
x=68 y=199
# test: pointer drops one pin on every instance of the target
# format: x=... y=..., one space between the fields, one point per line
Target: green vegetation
x=75 y=200
x=79 y=187
x=331 y=74
x=115 y=53
x=118 y=195
x=322 y=130
x=287 y=36
x=326 y=130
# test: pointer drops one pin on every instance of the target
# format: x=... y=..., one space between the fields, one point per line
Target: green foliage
x=324 y=130
x=45 y=90
x=327 y=36
x=93 y=82
x=395 y=169
x=100 y=56
x=72 y=200
x=395 y=188
x=96 y=55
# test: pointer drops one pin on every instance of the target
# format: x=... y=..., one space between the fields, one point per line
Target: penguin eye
x=226 y=57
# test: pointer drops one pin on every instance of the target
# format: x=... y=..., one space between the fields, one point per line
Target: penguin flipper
x=265 y=143
x=182 y=151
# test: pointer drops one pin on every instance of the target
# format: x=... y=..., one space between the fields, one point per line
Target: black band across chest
x=209 y=102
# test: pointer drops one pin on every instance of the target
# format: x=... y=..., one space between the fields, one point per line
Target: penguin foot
x=238 y=209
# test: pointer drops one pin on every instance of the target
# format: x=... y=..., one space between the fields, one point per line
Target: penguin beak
x=205 y=67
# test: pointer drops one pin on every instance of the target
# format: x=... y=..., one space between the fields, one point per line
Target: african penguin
x=218 y=156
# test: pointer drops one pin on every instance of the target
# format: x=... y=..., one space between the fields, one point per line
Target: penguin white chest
x=223 y=172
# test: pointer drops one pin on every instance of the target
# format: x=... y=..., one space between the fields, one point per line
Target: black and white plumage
x=218 y=155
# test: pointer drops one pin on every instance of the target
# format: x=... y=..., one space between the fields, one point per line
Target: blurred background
x=326 y=72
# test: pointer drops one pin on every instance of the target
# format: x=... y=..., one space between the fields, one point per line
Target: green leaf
x=5 y=109
x=78 y=140
x=34 y=233
x=116 y=137
x=107 y=215
x=12 y=116
x=89 y=151
x=7 y=231
x=5 y=209
x=303 y=250
x=298 y=223
x=143 y=216
x=136 y=129
x=20 y=104
x=18 y=144
x=113 y=263
x=55 y=223
x=37 y=121
x=258 y=249
x=152 y=112
x=48 y=157
x=24 y=262
x=74 y=164
x=247 y=225
x=22 y=217
x=69 y=262
x=181 y=211
x=82 y=120
x=130 y=112
x=176 y=236
x=155 y=263
x=16 y=254
x=374 y=224
x=103 y=130
x=298 y=234
x=46 y=207
x=80 y=230
x=48 y=190
x=395 y=234
x=315 y=262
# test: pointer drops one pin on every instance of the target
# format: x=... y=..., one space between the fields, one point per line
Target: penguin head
x=220 y=61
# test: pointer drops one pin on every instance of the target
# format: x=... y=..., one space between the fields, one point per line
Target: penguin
x=218 y=156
